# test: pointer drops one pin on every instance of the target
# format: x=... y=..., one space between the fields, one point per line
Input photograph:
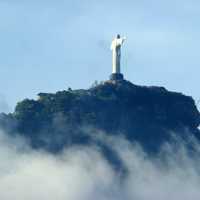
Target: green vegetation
x=143 y=114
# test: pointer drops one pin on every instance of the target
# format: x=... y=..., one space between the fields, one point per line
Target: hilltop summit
x=147 y=115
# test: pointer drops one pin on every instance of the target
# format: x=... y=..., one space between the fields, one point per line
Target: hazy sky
x=51 y=45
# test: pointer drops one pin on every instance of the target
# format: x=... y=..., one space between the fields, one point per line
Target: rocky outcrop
x=148 y=115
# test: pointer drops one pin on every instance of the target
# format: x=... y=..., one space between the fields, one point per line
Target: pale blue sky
x=46 y=46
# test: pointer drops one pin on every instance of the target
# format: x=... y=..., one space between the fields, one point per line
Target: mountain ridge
x=143 y=114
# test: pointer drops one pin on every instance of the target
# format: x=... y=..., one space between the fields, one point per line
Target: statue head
x=118 y=36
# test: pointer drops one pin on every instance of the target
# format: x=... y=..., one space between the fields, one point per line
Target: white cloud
x=83 y=173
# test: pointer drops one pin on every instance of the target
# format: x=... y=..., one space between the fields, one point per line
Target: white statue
x=116 y=49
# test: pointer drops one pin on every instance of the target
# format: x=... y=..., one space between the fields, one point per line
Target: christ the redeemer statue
x=116 y=57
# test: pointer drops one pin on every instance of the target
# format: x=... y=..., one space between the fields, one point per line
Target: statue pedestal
x=116 y=77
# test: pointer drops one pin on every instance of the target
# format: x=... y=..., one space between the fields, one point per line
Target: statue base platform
x=116 y=77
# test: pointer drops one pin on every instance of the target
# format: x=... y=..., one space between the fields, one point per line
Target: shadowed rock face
x=147 y=115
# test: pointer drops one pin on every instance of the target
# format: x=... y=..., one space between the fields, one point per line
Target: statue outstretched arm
x=123 y=40
x=120 y=41
x=117 y=42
